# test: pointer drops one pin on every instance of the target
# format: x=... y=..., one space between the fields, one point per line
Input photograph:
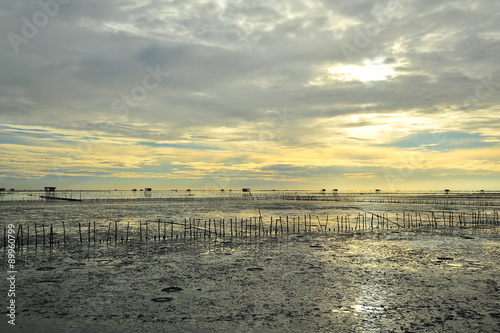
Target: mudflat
x=391 y=281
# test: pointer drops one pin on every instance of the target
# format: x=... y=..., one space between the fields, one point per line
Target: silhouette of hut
x=50 y=191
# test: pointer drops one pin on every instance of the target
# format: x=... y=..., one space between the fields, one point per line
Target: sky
x=354 y=94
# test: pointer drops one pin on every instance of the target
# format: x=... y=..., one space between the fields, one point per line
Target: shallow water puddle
x=454 y=265
x=360 y=308
x=368 y=308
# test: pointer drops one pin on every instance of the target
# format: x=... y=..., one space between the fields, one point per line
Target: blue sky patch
x=445 y=141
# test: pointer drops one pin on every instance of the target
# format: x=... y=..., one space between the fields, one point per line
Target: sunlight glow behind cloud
x=260 y=92
x=368 y=71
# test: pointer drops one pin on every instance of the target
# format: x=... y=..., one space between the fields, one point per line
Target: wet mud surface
x=375 y=282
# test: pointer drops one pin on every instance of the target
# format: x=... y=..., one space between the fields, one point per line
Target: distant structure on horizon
x=50 y=191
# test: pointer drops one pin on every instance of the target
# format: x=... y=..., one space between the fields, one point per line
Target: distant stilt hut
x=50 y=191
x=246 y=191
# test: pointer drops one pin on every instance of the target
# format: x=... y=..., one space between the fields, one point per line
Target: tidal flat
x=390 y=281
x=359 y=264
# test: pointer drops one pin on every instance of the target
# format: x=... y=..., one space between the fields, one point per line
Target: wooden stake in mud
x=159 y=229
x=116 y=231
x=128 y=227
x=108 y=233
x=196 y=231
x=64 y=233
x=51 y=236
x=185 y=227
x=140 y=231
x=147 y=233
x=79 y=232
x=88 y=234
x=320 y=227
x=172 y=230
x=36 y=237
x=94 y=232
x=43 y=232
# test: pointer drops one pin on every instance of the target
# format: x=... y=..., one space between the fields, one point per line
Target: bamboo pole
x=79 y=232
x=172 y=230
x=159 y=230
x=185 y=228
x=140 y=231
x=64 y=233
x=51 y=236
x=128 y=227
x=22 y=236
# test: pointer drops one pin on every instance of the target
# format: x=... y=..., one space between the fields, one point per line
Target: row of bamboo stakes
x=477 y=199
x=195 y=228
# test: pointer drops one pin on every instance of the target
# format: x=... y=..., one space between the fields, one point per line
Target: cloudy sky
x=354 y=94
